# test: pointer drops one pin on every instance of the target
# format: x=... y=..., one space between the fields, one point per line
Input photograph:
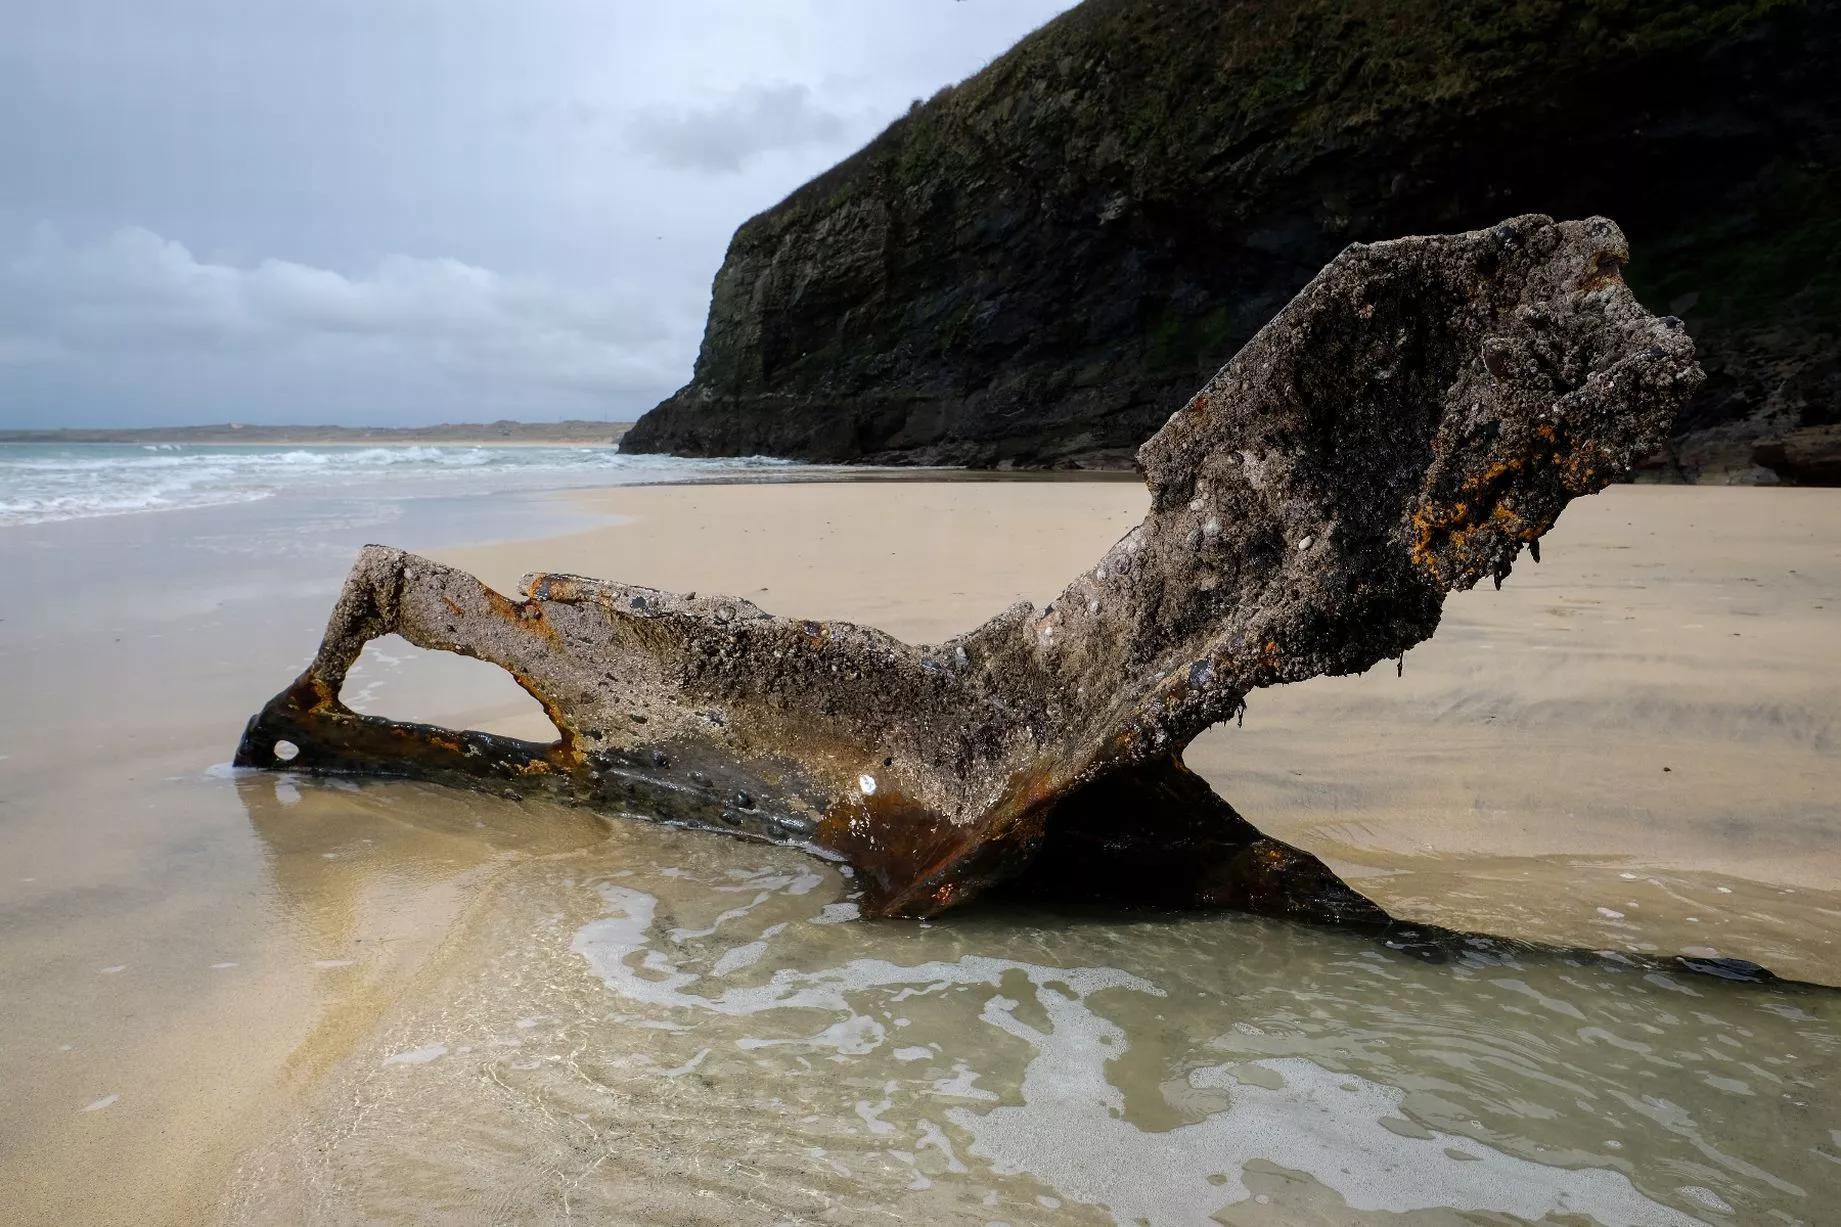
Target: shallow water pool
x=671 y=1027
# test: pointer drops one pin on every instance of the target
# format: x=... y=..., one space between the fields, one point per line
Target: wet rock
x=1808 y=457
x=1422 y=411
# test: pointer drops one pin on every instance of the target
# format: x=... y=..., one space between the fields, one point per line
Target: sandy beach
x=274 y=999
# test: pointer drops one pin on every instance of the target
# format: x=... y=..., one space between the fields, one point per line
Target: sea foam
x=40 y=483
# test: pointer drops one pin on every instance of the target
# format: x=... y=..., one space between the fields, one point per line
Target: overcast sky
x=413 y=211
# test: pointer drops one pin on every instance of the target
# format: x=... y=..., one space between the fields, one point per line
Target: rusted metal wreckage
x=1407 y=425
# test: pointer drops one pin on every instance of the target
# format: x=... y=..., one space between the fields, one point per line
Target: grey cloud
x=136 y=289
x=721 y=137
x=584 y=162
x=138 y=301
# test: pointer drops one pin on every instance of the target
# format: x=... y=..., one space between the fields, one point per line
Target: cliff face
x=1038 y=265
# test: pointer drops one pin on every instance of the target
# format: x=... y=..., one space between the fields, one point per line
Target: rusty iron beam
x=1406 y=426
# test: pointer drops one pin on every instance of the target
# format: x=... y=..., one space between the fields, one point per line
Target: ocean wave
x=42 y=510
x=43 y=483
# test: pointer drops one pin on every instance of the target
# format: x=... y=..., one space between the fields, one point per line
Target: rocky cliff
x=1035 y=267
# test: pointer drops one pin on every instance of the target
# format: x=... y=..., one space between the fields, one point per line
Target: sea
x=42 y=483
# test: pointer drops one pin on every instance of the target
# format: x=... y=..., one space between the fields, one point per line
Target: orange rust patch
x=1607 y=270
x=1441 y=534
x=525 y=615
x=914 y=861
x=311 y=694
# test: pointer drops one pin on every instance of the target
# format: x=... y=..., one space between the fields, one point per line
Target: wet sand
x=279 y=1000
x=163 y=994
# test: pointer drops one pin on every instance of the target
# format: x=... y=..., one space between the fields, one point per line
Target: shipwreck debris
x=1420 y=412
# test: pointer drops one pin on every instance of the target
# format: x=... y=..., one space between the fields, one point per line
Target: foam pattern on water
x=1070 y=1130
x=692 y=1038
x=47 y=482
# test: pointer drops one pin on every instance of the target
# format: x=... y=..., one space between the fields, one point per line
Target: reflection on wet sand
x=371 y=880
x=675 y=1028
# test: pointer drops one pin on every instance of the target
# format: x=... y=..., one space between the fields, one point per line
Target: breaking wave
x=40 y=483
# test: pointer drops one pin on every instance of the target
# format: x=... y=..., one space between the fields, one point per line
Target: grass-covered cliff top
x=1163 y=96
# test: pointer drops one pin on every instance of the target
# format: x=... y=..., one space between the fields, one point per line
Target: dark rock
x=1422 y=411
x=1808 y=457
x=1030 y=268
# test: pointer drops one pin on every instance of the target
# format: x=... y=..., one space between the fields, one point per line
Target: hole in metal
x=396 y=679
